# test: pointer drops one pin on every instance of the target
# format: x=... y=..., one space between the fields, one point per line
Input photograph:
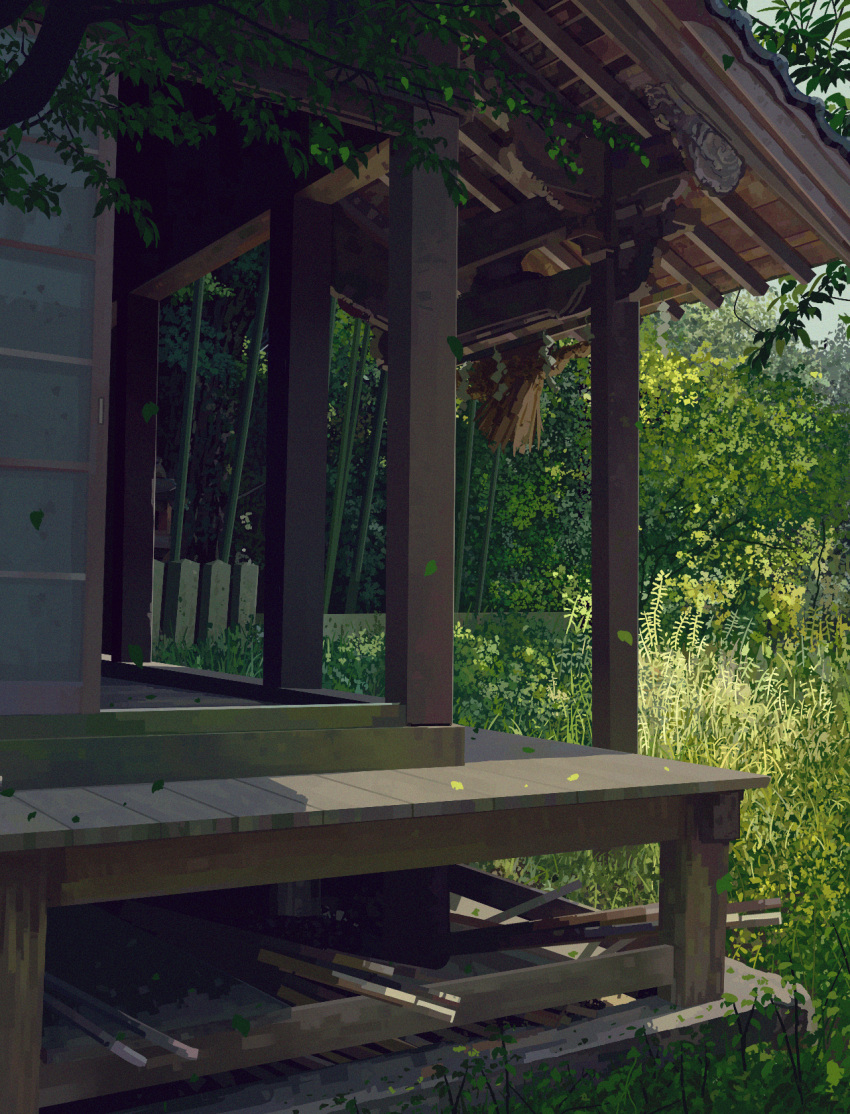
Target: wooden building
x=746 y=182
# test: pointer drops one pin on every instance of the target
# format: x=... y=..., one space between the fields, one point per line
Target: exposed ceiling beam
x=493 y=235
x=728 y=259
x=750 y=222
x=487 y=192
x=673 y=263
x=583 y=63
x=342 y=182
x=477 y=139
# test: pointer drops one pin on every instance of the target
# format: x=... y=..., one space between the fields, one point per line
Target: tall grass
x=709 y=700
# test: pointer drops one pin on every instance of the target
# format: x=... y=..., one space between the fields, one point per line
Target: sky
x=817 y=330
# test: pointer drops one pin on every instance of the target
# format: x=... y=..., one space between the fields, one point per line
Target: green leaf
x=31 y=816
x=6 y=792
x=157 y=785
x=456 y=347
x=430 y=568
x=135 y=653
x=727 y=61
x=645 y=160
x=624 y=636
x=241 y=1025
x=724 y=884
x=75 y=819
x=528 y=750
x=405 y=84
x=148 y=411
x=36 y=519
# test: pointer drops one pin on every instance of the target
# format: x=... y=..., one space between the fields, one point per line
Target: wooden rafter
x=728 y=259
x=585 y=65
x=675 y=265
x=747 y=219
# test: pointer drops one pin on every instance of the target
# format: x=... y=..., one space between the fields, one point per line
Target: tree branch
x=29 y=89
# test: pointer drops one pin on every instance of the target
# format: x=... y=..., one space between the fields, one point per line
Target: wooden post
x=131 y=483
x=23 y=925
x=691 y=913
x=421 y=428
x=614 y=412
x=296 y=442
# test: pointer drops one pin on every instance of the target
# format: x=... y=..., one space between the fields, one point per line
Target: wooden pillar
x=421 y=429
x=614 y=411
x=296 y=442
x=131 y=482
x=691 y=913
x=23 y=925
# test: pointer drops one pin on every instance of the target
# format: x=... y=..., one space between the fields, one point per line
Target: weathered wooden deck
x=109 y=839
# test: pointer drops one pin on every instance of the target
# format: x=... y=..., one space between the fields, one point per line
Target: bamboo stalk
x=334 y=305
x=352 y=402
x=494 y=477
x=366 y=505
x=186 y=427
x=245 y=406
x=464 y=505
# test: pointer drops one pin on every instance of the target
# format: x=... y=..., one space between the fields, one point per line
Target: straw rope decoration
x=510 y=386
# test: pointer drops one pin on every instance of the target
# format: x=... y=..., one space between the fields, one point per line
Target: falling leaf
x=35 y=519
x=155 y=978
x=148 y=410
x=667 y=768
x=456 y=347
x=430 y=568
x=727 y=61
x=135 y=654
x=151 y=697
x=157 y=785
x=572 y=777
x=528 y=750
x=31 y=816
x=75 y=819
x=241 y=1025
x=525 y=786
x=624 y=636
x=475 y=912
x=457 y=785
x=6 y=792
x=197 y=700
x=194 y=1078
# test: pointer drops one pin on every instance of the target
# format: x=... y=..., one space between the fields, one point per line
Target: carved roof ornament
x=717 y=165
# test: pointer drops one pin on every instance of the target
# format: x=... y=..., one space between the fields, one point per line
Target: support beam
x=130 y=480
x=419 y=641
x=615 y=378
x=673 y=263
x=296 y=442
x=729 y=260
x=342 y=182
x=734 y=206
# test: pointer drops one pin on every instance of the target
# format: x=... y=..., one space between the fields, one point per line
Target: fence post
x=464 y=505
x=366 y=505
x=352 y=402
x=494 y=476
